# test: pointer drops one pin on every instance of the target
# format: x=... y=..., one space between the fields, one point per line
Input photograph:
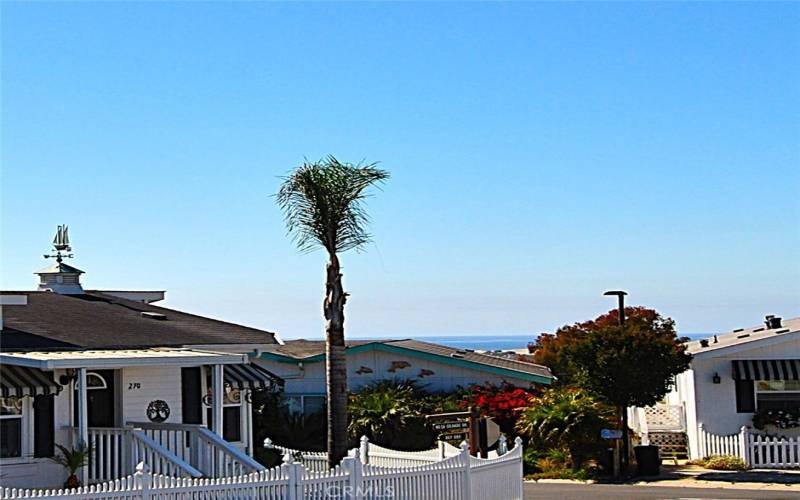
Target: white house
x=135 y=381
x=732 y=377
x=301 y=365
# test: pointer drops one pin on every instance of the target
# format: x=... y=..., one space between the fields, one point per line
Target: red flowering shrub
x=503 y=402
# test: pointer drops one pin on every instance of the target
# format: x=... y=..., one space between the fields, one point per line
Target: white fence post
x=364 y=450
x=701 y=441
x=293 y=486
x=143 y=479
x=355 y=474
x=466 y=484
x=518 y=444
x=744 y=445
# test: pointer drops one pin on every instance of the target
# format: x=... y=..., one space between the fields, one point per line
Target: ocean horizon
x=484 y=342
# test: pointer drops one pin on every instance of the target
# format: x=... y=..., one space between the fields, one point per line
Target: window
x=231 y=414
x=778 y=394
x=95 y=381
x=10 y=427
x=304 y=405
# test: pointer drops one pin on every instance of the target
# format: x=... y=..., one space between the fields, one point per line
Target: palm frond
x=323 y=205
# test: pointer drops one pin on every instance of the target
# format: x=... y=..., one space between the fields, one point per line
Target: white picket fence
x=374 y=454
x=756 y=450
x=456 y=477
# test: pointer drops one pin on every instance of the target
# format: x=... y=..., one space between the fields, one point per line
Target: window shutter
x=745 y=396
x=43 y=426
x=191 y=396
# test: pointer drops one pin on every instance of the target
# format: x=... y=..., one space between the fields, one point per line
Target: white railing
x=664 y=418
x=160 y=459
x=756 y=450
x=179 y=450
x=204 y=450
x=316 y=461
x=458 y=477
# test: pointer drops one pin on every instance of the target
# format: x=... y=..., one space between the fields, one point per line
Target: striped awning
x=21 y=381
x=766 y=369
x=251 y=377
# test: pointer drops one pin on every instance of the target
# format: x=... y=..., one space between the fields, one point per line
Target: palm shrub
x=391 y=413
x=72 y=459
x=566 y=418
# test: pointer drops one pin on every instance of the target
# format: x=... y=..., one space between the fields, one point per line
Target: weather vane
x=61 y=243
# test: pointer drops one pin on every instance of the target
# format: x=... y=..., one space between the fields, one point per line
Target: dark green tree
x=630 y=365
x=323 y=207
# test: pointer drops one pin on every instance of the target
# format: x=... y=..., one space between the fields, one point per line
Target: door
x=100 y=399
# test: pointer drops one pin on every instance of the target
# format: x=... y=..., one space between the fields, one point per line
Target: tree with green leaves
x=630 y=365
x=323 y=207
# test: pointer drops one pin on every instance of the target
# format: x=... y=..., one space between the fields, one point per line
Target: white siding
x=163 y=382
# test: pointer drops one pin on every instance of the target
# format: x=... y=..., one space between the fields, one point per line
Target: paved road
x=536 y=491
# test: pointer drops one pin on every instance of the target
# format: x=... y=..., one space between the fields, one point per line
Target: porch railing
x=196 y=445
x=178 y=450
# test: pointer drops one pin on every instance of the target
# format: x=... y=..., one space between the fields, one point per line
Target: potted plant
x=72 y=459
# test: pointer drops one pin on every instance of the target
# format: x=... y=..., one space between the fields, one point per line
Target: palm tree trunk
x=335 y=362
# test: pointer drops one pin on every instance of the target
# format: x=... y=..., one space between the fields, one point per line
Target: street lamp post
x=623 y=411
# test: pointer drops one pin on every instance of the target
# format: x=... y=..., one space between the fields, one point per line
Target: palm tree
x=323 y=206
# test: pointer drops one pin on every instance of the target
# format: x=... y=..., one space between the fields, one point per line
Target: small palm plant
x=72 y=459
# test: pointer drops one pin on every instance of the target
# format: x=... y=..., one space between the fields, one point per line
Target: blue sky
x=540 y=154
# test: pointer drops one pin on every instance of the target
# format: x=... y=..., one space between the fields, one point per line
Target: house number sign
x=132 y=386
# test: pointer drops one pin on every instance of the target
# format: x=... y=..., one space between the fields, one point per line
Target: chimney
x=60 y=277
x=772 y=322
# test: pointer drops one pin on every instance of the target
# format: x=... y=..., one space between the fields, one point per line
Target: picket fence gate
x=459 y=476
x=756 y=450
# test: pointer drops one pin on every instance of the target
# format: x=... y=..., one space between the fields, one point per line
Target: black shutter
x=745 y=396
x=191 y=395
x=43 y=426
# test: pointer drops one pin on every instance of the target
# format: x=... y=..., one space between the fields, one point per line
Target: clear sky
x=540 y=154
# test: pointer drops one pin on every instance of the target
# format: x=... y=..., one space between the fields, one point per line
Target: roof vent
x=743 y=336
x=457 y=354
x=704 y=343
x=772 y=322
x=152 y=315
x=782 y=331
x=738 y=330
x=759 y=329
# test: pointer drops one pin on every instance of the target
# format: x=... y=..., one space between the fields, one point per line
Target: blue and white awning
x=766 y=369
x=251 y=376
x=20 y=381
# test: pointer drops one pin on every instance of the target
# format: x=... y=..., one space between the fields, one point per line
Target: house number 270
x=134 y=385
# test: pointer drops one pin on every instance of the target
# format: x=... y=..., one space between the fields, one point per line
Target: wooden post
x=473 y=430
x=616 y=459
x=483 y=438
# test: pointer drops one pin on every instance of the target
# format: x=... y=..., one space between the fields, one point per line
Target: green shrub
x=566 y=419
x=724 y=462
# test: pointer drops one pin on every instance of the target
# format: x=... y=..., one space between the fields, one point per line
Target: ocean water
x=502 y=342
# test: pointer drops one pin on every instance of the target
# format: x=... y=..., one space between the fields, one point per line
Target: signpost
x=616 y=435
x=455 y=421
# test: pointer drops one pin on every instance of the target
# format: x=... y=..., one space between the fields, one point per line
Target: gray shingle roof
x=97 y=321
